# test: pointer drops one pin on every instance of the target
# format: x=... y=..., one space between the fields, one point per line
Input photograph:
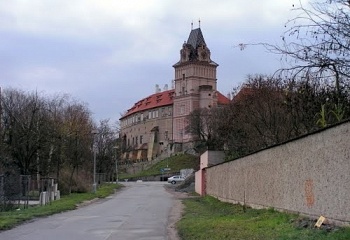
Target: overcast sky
x=111 y=53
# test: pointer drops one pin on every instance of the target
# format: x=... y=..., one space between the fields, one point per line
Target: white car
x=175 y=179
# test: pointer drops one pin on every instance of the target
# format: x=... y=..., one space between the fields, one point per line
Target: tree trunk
x=70 y=180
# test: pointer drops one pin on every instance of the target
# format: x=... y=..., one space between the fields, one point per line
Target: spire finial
x=199 y=23
x=192 y=25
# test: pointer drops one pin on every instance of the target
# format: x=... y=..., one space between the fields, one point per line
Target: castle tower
x=195 y=83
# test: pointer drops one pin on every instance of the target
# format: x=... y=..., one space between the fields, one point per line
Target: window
x=182 y=109
x=157 y=113
x=140 y=139
x=170 y=111
x=149 y=115
x=141 y=116
x=136 y=140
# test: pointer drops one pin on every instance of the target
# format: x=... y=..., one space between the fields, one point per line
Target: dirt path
x=175 y=212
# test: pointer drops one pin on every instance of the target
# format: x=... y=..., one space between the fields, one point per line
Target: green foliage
x=231 y=155
x=322 y=122
x=13 y=218
x=338 y=112
x=336 y=115
x=208 y=218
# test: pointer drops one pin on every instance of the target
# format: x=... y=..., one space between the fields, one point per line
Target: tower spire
x=192 y=25
x=199 y=23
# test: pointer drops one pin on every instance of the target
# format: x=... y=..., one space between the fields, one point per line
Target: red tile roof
x=243 y=94
x=222 y=100
x=163 y=99
x=155 y=100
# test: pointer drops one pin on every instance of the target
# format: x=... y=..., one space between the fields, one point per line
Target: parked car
x=175 y=179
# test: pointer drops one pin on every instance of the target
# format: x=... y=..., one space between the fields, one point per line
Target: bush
x=81 y=182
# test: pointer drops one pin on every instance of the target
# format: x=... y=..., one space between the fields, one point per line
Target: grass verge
x=12 y=218
x=208 y=218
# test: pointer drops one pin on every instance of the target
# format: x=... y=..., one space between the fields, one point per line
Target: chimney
x=157 y=88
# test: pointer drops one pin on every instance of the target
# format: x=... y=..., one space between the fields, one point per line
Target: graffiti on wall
x=309 y=192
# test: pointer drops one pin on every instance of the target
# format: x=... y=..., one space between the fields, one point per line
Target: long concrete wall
x=310 y=175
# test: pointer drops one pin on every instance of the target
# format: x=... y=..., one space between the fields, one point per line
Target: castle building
x=156 y=124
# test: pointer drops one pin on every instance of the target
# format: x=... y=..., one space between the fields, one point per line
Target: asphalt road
x=138 y=212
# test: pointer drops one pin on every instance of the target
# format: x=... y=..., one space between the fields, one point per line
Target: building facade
x=156 y=124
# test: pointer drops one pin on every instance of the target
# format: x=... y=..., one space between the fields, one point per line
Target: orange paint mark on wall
x=309 y=192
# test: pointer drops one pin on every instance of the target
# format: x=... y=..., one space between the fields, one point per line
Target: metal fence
x=23 y=190
x=101 y=178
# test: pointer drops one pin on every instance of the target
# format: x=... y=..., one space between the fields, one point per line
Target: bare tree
x=23 y=118
x=202 y=126
x=107 y=149
x=315 y=49
x=44 y=136
x=257 y=116
x=78 y=138
x=54 y=115
x=316 y=42
x=268 y=111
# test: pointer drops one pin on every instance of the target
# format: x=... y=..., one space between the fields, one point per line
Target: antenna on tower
x=192 y=25
x=199 y=23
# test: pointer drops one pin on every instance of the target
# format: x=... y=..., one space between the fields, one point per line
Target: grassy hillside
x=175 y=163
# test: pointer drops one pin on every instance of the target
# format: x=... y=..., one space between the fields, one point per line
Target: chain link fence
x=18 y=191
x=23 y=190
x=101 y=178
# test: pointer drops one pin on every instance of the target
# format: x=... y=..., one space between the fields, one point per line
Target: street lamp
x=94 y=132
